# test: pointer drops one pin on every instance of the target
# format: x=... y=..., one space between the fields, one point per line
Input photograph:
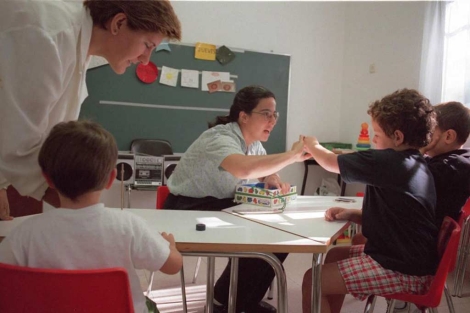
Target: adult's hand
x=4 y=206
x=301 y=152
x=274 y=181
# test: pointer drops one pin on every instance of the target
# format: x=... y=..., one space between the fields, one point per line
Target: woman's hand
x=274 y=181
x=299 y=150
x=4 y=206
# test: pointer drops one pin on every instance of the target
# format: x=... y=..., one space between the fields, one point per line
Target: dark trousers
x=254 y=275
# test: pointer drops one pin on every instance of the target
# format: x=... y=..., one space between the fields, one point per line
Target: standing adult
x=227 y=154
x=45 y=48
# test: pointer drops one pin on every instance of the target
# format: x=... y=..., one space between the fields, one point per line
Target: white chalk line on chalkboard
x=160 y=106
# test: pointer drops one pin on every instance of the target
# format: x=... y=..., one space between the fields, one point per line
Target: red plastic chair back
x=464 y=213
x=25 y=289
x=162 y=193
x=448 y=242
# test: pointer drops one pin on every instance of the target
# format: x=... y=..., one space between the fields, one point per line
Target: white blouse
x=43 y=61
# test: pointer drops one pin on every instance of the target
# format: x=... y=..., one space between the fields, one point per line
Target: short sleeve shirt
x=398 y=213
x=199 y=174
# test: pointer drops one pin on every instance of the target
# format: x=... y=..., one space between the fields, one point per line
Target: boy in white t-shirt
x=78 y=160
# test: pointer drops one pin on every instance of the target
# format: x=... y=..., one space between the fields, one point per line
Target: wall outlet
x=372 y=69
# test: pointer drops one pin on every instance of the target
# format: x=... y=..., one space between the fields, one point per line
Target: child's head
x=403 y=119
x=453 y=127
x=78 y=157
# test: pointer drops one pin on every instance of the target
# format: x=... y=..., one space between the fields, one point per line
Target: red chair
x=26 y=289
x=448 y=243
x=464 y=250
x=162 y=193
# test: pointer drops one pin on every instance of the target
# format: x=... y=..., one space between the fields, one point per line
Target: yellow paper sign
x=205 y=51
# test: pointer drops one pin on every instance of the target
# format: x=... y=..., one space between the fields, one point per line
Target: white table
x=230 y=236
x=305 y=217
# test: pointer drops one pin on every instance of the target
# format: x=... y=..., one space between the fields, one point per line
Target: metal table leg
x=317 y=261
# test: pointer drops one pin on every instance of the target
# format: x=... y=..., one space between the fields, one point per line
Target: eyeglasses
x=268 y=115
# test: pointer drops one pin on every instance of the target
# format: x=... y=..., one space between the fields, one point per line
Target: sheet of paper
x=169 y=76
x=190 y=78
x=209 y=77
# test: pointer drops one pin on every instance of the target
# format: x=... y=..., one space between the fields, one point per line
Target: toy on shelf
x=363 y=142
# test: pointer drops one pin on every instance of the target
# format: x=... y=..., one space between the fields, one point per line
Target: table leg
x=210 y=284
x=183 y=291
x=317 y=261
x=305 y=179
x=232 y=298
x=268 y=257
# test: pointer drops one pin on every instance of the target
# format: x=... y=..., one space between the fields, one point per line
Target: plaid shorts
x=363 y=276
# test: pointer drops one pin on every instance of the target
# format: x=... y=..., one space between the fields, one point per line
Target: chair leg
x=183 y=291
x=149 y=288
x=196 y=270
x=391 y=306
x=370 y=304
x=461 y=259
x=450 y=304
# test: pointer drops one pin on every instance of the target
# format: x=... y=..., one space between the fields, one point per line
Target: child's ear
x=398 y=137
x=48 y=180
x=450 y=136
x=112 y=177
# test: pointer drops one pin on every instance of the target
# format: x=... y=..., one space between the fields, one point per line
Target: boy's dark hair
x=454 y=115
x=156 y=16
x=245 y=100
x=408 y=111
x=78 y=157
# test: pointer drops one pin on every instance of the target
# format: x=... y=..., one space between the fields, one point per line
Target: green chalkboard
x=136 y=112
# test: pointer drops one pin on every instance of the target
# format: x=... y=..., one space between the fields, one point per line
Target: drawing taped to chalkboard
x=169 y=76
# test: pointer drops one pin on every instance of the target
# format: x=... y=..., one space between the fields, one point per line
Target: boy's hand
x=4 y=206
x=169 y=238
x=337 y=214
x=299 y=149
x=311 y=140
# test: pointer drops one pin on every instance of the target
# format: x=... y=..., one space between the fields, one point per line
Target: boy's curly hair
x=408 y=111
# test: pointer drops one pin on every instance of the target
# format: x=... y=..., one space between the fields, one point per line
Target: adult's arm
x=256 y=166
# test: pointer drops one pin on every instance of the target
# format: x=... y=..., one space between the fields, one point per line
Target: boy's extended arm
x=324 y=157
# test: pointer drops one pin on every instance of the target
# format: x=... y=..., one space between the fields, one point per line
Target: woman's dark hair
x=245 y=101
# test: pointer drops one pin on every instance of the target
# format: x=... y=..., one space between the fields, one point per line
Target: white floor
x=167 y=293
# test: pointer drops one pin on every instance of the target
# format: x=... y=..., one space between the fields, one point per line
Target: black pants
x=254 y=275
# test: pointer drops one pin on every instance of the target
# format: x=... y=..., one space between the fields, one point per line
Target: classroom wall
x=332 y=45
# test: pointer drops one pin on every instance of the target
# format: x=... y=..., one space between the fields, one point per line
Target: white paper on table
x=209 y=77
x=190 y=78
x=169 y=76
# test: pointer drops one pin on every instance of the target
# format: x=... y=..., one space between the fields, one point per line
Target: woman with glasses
x=227 y=154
